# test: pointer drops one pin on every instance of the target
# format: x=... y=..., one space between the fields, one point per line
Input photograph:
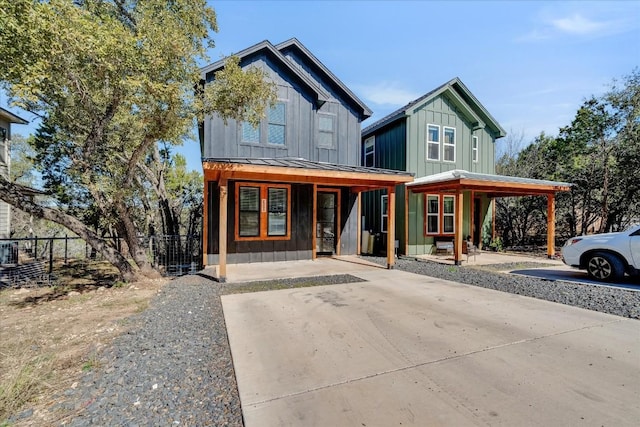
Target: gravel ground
x=174 y=366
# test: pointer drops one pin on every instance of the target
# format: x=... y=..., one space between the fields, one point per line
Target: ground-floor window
x=440 y=214
x=262 y=211
x=385 y=212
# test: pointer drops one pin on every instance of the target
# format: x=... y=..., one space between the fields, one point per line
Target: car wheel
x=604 y=266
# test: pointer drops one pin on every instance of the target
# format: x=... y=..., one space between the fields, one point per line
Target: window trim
x=475 y=149
x=263 y=213
x=452 y=215
x=371 y=141
x=332 y=132
x=284 y=125
x=440 y=214
x=431 y=142
x=445 y=144
x=384 y=201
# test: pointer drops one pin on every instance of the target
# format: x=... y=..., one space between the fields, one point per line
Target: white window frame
x=370 y=142
x=384 y=212
x=428 y=214
x=450 y=214
x=475 y=151
x=439 y=215
x=446 y=144
x=431 y=142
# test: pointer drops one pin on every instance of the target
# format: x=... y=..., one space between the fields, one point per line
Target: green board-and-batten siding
x=442 y=112
x=390 y=153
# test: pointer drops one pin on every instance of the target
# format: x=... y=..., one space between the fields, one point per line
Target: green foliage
x=599 y=152
x=111 y=79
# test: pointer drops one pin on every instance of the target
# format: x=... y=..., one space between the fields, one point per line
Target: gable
x=466 y=103
x=308 y=64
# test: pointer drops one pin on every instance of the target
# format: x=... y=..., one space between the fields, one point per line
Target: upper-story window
x=474 y=149
x=325 y=130
x=433 y=142
x=277 y=124
x=250 y=133
x=369 y=151
x=449 y=144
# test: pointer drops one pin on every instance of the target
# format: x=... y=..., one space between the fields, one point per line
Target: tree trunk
x=130 y=235
x=14 y=195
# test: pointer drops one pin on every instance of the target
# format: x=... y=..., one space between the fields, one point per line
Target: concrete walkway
x=404 y=349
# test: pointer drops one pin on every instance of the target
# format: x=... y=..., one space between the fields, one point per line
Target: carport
x=460 y=182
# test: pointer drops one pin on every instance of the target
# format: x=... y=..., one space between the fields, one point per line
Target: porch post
x=205 y=222
x=314 y=223
x=458 y=228
x=551 y=225
x=391 y=226
x=222 y=233
x=359 y=225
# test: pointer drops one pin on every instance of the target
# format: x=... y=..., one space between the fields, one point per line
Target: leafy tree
x=110 y=79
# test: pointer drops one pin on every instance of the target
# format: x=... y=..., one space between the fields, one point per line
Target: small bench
x=444 y=246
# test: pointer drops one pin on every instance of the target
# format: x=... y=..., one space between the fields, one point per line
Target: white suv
x=605 y=256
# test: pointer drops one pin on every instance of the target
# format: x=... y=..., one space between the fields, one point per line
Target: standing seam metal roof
x=298 y=163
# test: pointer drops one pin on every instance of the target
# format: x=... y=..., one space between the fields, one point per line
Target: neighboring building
x=290 y=188
x=6 y=119
x=447 y=139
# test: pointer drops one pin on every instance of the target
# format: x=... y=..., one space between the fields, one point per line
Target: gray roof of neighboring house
x=462 y=174
x=289 y=162
x=276 y=52
x=467 y=97
x=12 y=118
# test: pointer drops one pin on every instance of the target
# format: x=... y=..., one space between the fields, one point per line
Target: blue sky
x=531 y=64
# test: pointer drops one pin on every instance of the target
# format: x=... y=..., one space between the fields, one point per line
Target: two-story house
x=290 y=188
x=6 y=119
x=447 y=139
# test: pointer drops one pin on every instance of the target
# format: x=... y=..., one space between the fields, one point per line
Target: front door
x=326 y=218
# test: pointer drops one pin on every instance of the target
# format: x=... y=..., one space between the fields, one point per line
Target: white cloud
x=589 y=22
x=578 y=24
x=387 y=93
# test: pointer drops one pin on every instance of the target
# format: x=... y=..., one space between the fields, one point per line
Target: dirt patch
x=51 y=335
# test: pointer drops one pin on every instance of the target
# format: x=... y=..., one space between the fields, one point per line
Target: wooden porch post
x=222 y=233
x=458 y=228
x=551 y=225
x=391 y=226
x=314 y=223
x=205 y=223
x=406 y=220
x=359 y=222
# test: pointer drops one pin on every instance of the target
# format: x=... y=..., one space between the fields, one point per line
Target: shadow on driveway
x=576 y=276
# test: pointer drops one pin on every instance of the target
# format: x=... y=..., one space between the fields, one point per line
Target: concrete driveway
x=404 y=349
x=567 y=274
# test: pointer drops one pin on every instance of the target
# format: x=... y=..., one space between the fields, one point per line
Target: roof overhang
x=492 y=185
x=12 y=118
x=305 y=172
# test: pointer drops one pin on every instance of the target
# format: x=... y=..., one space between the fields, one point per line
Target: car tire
x=605 y=267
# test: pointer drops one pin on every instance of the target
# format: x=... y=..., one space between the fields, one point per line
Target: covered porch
x=323 y=178
x=460 y=182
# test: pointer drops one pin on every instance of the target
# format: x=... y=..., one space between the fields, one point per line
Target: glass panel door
x=326 y=223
